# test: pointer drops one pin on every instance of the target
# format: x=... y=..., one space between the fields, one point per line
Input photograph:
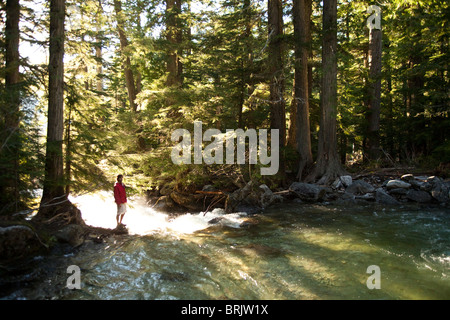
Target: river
x=291 y=251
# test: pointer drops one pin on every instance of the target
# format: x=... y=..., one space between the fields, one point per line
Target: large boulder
x=267 y=197
x=439 y=189
x=415 y=181
x=418 y=196
x=346 y=180
x=395 y=184
x=307 y=191
x=399 y=191
x=408 y=178
x=251 y=198
x=72 y=234
x=18 y=241
x=342 y=181
x=235 y=198
x=382 y=197
x=360 y=187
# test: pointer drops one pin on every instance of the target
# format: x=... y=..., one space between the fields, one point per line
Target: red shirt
x=120 y=195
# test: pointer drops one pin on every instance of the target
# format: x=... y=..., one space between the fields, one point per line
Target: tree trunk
x=12 y=75
x=390 y=137
x=374 y=103
x=328 y=166
x=129 y=78
x=54 y=173
x=98 y=55
x=98 y=48
x=277 y=103
x=142 y=35
x=9 y=142
x=68 y=151
x=301 y=87
x=179 y=37
x=416 y=82
x=246 y=62
x=174 y=38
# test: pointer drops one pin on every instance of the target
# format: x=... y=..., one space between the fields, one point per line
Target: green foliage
x=19 y=182
x=223 y=54
x=442 y=152
x=21 y=143
x=415 y=79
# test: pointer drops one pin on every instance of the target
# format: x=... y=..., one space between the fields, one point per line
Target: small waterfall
x=99 y=210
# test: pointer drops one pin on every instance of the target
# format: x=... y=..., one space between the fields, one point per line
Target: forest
x=349 y=88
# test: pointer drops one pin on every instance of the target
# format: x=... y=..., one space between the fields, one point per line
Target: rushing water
x=291 y=251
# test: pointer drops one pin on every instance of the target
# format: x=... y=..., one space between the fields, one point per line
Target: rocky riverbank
x=395 y=191
x=254 y=198
x=21 y=238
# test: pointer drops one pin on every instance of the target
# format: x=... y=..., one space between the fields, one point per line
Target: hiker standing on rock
x=120 y=197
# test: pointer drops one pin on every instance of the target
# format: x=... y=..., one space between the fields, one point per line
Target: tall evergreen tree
x=374 y=90
x=54 y=171
x=276 y=73
x=124 y=48
x=174 y=33
x=10 y=142
x=300 y=102
x=328 y=165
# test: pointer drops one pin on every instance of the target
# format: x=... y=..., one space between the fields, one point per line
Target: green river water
x=291 y=251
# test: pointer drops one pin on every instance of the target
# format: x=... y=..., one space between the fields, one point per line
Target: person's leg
x=124 y=210
x=119 y=214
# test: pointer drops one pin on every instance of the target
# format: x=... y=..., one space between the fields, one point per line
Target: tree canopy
x=134 y=71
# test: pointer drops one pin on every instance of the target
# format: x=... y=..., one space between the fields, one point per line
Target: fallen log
x=210 y=192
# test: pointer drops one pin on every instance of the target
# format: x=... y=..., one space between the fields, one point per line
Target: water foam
x=99 y=210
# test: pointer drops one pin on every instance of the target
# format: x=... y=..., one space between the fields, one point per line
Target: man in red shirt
x=120 y=197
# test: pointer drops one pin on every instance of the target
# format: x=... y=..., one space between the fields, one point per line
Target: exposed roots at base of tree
x=57 y=216
x=325 y=174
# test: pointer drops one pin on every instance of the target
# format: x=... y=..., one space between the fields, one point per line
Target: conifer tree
x=300 y=102
x=10 y=141
x=54 y=170
x=124 y=48
x=276 y=73
x=328 y=165
x=374 y=90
